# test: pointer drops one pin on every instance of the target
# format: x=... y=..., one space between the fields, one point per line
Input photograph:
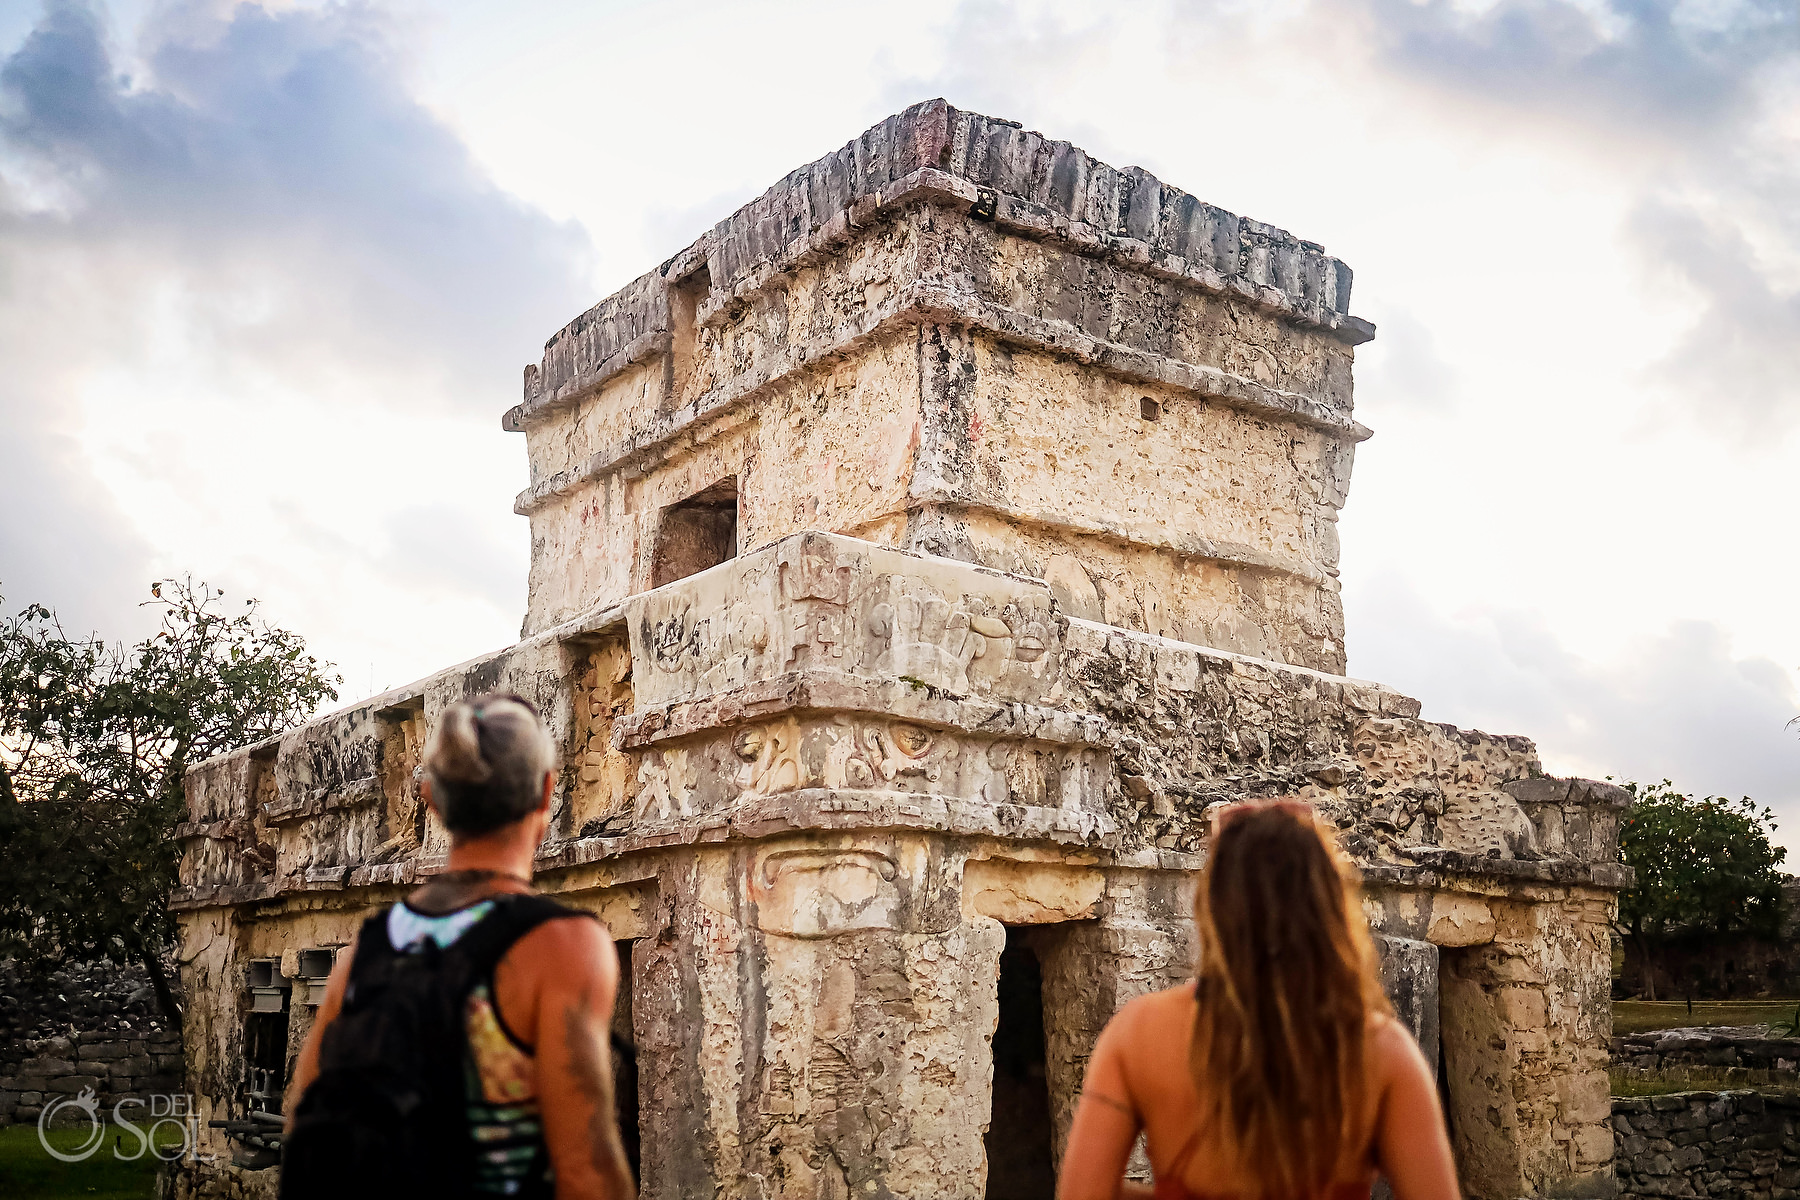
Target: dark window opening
x=265 y=1060
x=1443 y=1088
x=624 y=1060
x=698 y=533
x=1018 y=1137
x=1150 y=410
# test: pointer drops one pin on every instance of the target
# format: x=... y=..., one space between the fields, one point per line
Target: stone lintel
x=819 y=811
x=1019 y=826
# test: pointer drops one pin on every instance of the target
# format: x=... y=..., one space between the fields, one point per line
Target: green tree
x=94 y=741
x=1705 y=866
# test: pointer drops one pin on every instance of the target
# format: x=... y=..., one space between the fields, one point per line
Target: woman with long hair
x=461 y=1049
x=1280 y=1072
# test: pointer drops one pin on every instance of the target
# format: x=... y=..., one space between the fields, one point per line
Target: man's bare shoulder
x=571 y=951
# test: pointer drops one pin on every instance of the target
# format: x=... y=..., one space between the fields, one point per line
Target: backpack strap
x=476 y=953
x=373 y=951
x=513 y=916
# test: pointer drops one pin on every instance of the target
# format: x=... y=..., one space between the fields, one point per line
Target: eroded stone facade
x=916 y=557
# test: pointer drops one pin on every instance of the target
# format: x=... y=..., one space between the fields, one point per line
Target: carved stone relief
x=872 y=754
x=928 y=641
x=769 y=760
x=818 y=602
x=665 y=785
x=815 y=587
x=810 y=570
x=811 y=893
x=748 y=764
x=746 y=641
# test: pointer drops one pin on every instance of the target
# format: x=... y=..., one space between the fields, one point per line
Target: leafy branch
x=95 y=739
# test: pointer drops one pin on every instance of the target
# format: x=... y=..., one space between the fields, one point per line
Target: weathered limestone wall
x=1091 y=437
x=1737 y=1144
x=815 y=783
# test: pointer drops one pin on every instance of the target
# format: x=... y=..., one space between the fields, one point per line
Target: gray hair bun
x=454 y=753
x=487 y=759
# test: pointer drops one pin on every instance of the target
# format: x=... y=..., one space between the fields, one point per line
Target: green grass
x=1643 y=1016
x=1655 y=1087
x=1690 y=1079
x=27 y=1173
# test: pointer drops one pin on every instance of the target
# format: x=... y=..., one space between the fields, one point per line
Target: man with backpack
x=462 y=1046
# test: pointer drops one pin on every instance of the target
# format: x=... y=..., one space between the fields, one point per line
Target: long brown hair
x=1286 y=986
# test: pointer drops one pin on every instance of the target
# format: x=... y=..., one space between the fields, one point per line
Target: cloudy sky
x=269 y=272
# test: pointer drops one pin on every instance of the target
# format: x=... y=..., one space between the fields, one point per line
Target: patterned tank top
x=501 y=1070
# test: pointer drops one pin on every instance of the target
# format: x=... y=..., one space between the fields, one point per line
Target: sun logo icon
x=88 y=1103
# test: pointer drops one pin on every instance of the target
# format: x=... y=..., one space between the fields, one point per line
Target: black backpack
x=386 y=1116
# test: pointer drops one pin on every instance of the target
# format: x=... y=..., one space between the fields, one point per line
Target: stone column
x=1526 y=1021
x=1409 y=976
x=815 y=1023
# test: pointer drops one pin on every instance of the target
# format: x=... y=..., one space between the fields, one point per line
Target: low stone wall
x=186 y=1180
x=1733 y=1144
x=82 y=1025
x=1737 y=1056
x=64 y=1066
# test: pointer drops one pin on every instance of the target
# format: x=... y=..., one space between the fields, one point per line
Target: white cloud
x=261 y=310
x=1681 y=704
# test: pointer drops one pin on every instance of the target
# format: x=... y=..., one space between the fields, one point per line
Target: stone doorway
x=1019 y=1163
x=1477 y=1076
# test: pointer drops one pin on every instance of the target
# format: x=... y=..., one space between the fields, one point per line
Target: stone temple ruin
x=915 y=557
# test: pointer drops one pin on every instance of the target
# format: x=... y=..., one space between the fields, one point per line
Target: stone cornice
x=839 y=691
x=920 y=300
x=988 y=169
x=827 y=810
x=684 y=428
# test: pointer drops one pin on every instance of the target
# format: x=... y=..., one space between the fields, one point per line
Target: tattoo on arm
x=591 y=1068
x=1111 y=1103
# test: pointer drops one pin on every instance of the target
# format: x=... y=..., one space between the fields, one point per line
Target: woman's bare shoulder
x=1391 y=1046
x=1167 y=1002
x=1148 y=1018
